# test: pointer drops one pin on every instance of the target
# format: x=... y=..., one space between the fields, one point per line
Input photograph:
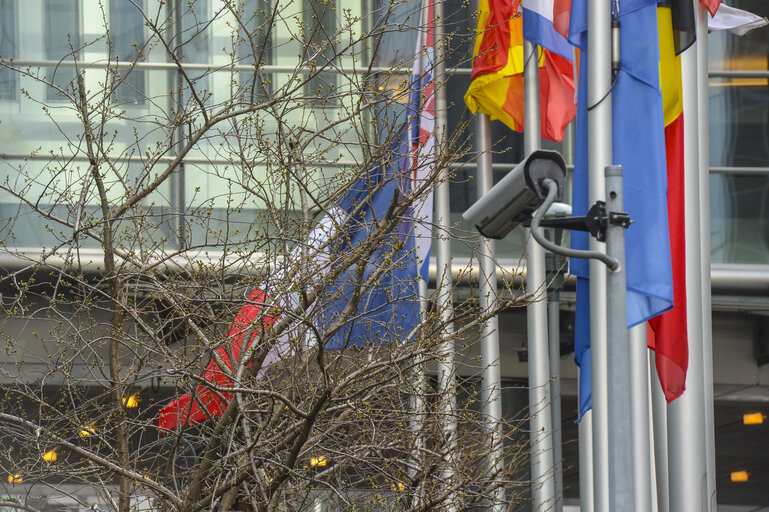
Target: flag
x=711 y=5
x=422 y=104
x=735 y=20
x=638 y=144
x=496 y=86
x=668 y=332
x=388 y=311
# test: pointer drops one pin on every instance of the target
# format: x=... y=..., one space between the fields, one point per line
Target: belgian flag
x=668 y=336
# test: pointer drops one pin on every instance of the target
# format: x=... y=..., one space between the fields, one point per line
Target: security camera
x=518 y=195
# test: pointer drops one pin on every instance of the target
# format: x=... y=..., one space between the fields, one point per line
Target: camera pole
x=621 y=495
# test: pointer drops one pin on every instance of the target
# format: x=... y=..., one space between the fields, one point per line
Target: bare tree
x=201 y=158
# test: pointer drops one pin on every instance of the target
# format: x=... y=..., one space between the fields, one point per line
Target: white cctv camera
x=518 y=195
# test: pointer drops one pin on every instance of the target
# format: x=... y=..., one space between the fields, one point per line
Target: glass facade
x=739 y=142
x=225 y=59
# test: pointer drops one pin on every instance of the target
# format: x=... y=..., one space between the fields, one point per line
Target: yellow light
x=739 y=476
x=87 y=431
x=15 y=479
x=132 y=401
x=50 y=455
x=319 y=461
x=753 y=418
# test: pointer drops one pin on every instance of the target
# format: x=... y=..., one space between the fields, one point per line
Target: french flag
x=539 y=18
x=385 y=313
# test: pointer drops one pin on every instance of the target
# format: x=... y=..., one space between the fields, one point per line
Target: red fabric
x=562 y=16
x=556 y=96
x=204 y=403
x=711 y=5
x=495 y=40
x=668 y=335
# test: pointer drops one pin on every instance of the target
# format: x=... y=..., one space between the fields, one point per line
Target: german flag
x=668 y=336
x=497 y=79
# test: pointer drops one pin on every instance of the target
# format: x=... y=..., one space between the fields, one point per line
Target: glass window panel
x=255 y=46
x=62 y=37
x=321 y=31
x=739 y=132
x=739 y=218
x=8 y=49
x=127 y=30
x=196 y=44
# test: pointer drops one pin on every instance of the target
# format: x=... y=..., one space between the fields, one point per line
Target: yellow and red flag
x=668 y=332
x=497 y=80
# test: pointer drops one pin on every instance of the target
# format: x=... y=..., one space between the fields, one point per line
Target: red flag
x=562 y=16
x=711 y=5
x=204 y=403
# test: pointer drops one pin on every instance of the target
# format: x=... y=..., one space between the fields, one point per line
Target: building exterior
x=39 y=38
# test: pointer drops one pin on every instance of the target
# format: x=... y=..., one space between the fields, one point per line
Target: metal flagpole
x=446 y=360
x=660 y=420
x=543 y=488
x=585 y=435
x=639 y=414
x=687 y=463
x=704 y=216
x=619 y=371
x=491 y=388
x=599 y=156
x=554 y=337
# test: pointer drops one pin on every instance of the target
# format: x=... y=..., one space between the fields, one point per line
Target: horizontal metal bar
x=738 y=73
x=739 y=170
x=163 y=159
x=271 y=68
x=191 y=66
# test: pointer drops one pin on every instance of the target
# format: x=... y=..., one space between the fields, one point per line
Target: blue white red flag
x=538 y=27
x=388 y=310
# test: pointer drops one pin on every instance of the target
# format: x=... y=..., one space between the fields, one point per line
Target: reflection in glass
x=255 y=46
x=8 y=49
x=739 y=218
x=62 y=40
x=320 y=27
x=195 y=41
x=127 y=30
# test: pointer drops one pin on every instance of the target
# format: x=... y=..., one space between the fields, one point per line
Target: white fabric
x=735 y=20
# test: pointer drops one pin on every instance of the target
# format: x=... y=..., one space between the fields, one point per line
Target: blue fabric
x=388 y=312
x=638 y=144
x=539 y=30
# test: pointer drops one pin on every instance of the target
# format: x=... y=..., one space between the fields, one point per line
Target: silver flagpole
x=660 y=421
x=491 y=387
x=446 y=360
x=639 y=389
x=600 y=155
x=707 y=331
x=542 y=483
x=620 y=372
x=585 y=435
x=554 y=342
x=687 y=463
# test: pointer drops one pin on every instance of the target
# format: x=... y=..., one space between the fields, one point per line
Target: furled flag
x=388 y=310
x=496 y=88
x=668 y=331
x=638 y=144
